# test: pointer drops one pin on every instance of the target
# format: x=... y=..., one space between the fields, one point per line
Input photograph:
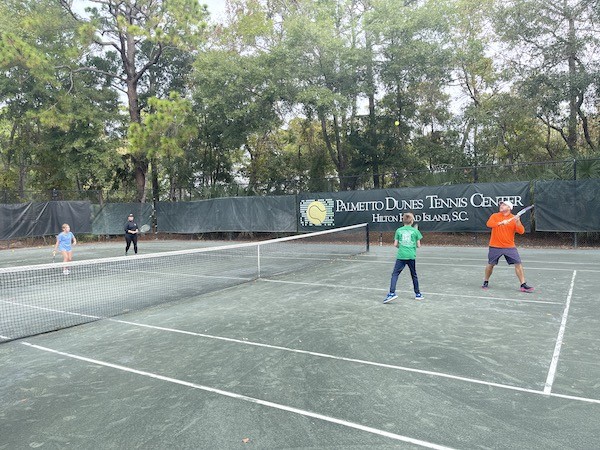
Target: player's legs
x=128 y=242
x=398 y=267
x=134 y=239
x=489 y=268
x=412 y=265
x=520 y=273
x=513 y=258
x=494 y=255
x=67 y=256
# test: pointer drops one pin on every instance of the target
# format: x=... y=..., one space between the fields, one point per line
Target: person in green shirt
x=407 y=239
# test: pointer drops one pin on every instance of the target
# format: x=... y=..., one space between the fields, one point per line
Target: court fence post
x=258 y=260
x=575 y=189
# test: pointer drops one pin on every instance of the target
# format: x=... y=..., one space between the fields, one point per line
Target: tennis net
x=48 y=297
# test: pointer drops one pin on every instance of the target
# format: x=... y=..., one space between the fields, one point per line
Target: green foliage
x=287 y=96
x=55 y=126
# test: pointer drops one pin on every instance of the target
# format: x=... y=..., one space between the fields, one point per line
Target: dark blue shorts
x=510 y=254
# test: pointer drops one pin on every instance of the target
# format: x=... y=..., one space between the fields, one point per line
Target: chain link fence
x=575 y=169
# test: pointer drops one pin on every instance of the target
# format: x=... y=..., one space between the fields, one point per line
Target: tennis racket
x=145 y=228
x=53 y=256
x=520 y=213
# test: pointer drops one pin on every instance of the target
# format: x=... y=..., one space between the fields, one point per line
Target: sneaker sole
x=527 y=290
x=389 y=300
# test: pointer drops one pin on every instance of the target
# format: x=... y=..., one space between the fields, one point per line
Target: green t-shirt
x=407 y=238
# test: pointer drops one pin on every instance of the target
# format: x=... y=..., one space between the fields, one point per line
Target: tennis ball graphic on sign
x=316 y=213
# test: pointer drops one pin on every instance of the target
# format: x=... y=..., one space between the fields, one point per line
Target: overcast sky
x=216 y=8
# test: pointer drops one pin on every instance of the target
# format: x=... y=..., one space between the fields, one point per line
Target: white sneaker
x=66 y=272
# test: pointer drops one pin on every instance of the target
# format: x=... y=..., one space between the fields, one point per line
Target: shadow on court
x=315 y=360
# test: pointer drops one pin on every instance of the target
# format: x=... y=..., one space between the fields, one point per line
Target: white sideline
x=559 y=340
x=245 y=398
x=358 y=361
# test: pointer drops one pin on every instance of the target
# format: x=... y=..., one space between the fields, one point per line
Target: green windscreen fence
x=560 y=206
x=110 y=218
x=258 y=214
x=569 y=206
x=43 y=218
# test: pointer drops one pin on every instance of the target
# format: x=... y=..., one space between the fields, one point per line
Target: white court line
x=559 y=340
x=357 y=361
x=574 y=397
x=333 y=357
x=339 y=358
x=305 y=352
x=346 y=287
x=245 y=398
x=556 y=269
x=52 y=310
x=484 y=260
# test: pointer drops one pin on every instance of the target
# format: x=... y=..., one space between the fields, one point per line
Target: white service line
x=484 y=260
x=358 y=361
x=245 y=398
x=333 y=357
x=424 y=263
x=574 y=397
x=559 y=340
x=339 y=358
x=444 y=294
x=305 y=352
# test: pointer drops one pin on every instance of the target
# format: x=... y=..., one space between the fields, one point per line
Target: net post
x=368 y=240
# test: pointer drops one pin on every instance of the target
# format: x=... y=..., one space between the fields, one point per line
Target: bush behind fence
x=438 y=176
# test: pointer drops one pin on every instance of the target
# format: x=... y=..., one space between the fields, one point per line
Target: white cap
x=507 y=203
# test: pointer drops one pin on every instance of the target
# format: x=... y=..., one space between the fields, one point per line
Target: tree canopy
x=151 y=99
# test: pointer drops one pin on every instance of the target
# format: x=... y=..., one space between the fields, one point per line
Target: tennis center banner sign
x=456 y=208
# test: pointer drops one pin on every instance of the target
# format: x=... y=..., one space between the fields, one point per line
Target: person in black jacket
x=131 y=234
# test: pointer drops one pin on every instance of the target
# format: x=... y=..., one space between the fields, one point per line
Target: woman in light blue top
x=64 y=241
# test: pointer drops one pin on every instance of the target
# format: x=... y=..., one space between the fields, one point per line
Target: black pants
x=129 y=238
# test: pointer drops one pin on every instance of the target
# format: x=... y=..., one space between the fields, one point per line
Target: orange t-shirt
x=503 y=236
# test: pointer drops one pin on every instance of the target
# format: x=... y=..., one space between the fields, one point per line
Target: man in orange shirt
x=504 y=225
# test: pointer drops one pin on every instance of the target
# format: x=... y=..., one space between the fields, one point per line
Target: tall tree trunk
x=341 y=158
x=372 y=117
x=140 y=162
x=155 y=185
x=572 y=123
x=328 y=144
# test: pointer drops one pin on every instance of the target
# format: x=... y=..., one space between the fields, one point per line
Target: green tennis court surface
x=313 y=359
